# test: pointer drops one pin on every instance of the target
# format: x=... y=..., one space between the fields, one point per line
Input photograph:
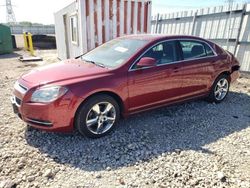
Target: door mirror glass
x=146 y=62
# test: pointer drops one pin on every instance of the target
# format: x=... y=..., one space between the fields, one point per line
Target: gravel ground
x=196 y=144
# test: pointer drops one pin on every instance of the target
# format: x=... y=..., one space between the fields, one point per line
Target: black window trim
x=175 y=62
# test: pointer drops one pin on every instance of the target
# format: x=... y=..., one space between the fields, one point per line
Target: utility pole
x=10 y=16
x=230 y=5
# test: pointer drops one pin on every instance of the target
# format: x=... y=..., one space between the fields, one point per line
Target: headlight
x=48 y=94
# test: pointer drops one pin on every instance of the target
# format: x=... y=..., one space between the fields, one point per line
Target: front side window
x=74 y=29
x=164 y=52
x=195 y=49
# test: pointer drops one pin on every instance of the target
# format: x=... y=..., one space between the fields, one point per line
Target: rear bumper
x=234 y=75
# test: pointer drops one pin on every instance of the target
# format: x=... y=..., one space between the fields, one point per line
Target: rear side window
x=195 y=49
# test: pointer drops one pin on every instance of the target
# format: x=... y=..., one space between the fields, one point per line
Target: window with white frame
x=74 y=29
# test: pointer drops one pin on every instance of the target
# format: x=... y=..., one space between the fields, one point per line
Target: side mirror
x=146 y=62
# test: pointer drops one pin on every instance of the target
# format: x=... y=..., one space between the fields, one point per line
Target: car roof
x=156 y=37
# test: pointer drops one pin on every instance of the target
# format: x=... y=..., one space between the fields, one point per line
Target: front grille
x=18 y=101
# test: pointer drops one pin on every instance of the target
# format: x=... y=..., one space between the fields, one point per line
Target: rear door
x=197 y=66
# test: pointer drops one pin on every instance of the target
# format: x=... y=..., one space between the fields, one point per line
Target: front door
x=152 y=86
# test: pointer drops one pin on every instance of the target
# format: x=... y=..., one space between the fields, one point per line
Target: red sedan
x=124 y=76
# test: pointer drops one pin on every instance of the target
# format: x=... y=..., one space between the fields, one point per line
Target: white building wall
x=63 y=34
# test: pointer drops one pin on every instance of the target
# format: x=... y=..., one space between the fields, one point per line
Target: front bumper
x=57 y=116
x=15 y=106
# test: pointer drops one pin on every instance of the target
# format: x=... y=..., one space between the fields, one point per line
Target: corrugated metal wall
x=107 y=19
x=100 y=21
x=229 y=29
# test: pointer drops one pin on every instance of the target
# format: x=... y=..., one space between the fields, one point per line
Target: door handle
x=176 y=69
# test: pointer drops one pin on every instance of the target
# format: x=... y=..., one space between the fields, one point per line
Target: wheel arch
x=227 y=73
x=211 y=96
x=114 y=95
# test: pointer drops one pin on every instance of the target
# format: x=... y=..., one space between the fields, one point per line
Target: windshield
x=114 y=53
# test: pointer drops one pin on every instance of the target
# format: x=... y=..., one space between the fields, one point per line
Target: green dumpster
x=5 y=40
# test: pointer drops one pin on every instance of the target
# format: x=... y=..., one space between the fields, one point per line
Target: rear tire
x=97 y=116
x=220 y=89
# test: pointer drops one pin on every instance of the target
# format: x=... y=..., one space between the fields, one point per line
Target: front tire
x=97 y=116
x=219 y=89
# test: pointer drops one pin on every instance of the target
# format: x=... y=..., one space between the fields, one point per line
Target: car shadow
x=142 y=137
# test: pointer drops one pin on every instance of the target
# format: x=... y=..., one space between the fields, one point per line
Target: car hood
x=63 y=71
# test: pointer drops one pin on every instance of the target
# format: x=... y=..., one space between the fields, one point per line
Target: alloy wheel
x=101 y=117
x=221 y=89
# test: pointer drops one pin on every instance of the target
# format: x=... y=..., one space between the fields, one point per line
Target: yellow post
x=31 y=49
x=25 y=41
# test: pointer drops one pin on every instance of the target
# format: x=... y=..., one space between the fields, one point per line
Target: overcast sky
x=41 y=11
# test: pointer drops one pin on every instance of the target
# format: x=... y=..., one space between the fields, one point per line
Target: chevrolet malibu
x=124 y=76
